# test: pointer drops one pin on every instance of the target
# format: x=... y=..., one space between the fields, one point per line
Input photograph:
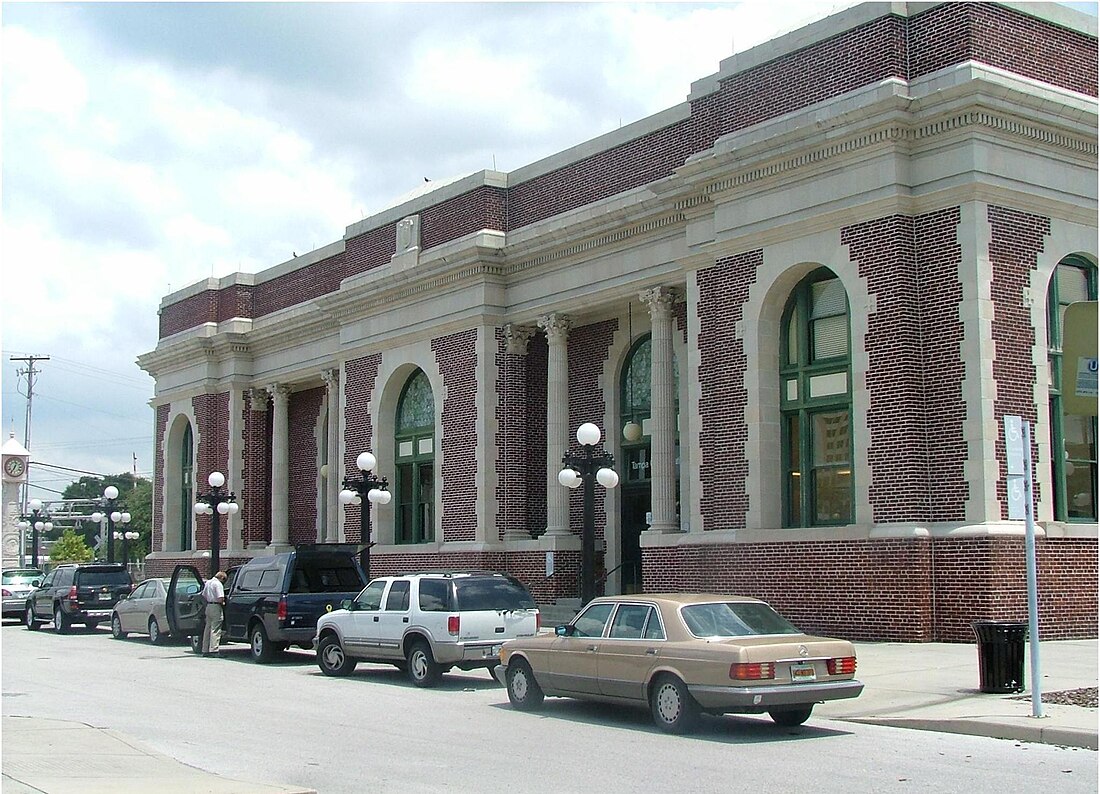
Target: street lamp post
x=37 y=520
x=216 y=502
x=372 y=487
x=125 y=537
x=113 y=516
x=587 y=468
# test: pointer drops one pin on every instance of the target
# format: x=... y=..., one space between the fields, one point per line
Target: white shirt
x=213 y=591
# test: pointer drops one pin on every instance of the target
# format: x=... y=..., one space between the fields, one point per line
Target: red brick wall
x=456 y=355
x=234 y=301
x=511 y=439
x=255 y=496
x=212 y=418
x=1016 y=240
x=894 y=590
x=887 y=47
x=297 y=286
x=1005 y=38
x=359 y=379
x=588 y=350
x=723 y=290
x=303 y=412
x=537 y=358
x=156 y=540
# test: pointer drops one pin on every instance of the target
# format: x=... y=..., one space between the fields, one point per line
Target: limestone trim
x=557 y=328
x=516 y=338
x=280 y=465
x=660 y=301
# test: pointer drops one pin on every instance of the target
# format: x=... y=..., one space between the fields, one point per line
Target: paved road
x=373 y=732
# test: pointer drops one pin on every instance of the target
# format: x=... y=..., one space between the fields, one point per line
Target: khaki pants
x=212 y=633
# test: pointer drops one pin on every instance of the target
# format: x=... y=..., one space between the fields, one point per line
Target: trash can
x=1001 y=655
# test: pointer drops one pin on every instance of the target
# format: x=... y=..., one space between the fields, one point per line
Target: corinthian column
x=557 y=420
x=332 y=481
x=280 y=464
x=662 y=419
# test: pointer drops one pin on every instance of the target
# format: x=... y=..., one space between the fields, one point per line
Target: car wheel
x=154 y=632
x=674 y=709
x=423 y=670
x=29 y=620
x=195 y=640
x=116 y=628
x=261 y=648
x=524 y=691
x=789 y=718
x=60 y=622
x=331 y=657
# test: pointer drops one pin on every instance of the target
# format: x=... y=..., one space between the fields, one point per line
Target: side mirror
x=563 y=631
x=347 y=604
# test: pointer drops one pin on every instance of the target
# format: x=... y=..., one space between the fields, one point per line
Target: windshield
x=33 y=578
x=735 y=619
x=494 y=592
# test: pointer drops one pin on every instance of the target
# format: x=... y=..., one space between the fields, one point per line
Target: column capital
x=259 y=399
x=516 y=338
x=660 y=300
x=556 y=326
x=279 y=392
x=331 y=377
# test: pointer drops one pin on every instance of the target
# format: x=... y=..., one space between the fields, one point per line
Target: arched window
x=414 y=440
x=1073 y=438
x=635 y=399
x=186 y=488
x=816 y=404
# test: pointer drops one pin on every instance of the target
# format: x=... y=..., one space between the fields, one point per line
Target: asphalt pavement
x=930 y=686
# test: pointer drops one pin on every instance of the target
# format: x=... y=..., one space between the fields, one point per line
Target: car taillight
x=752 y=671
x=72 y=593
x=842 y=665
x=6 y=592
x=538 y=622
x=281 y=611
x=452 y=624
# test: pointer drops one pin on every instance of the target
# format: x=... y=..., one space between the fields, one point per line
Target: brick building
x=798 y=305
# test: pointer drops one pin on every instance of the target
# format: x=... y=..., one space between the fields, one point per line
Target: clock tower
x=14 y=461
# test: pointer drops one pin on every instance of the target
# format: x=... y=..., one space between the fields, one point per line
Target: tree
x=135 y=496
x=70 y=548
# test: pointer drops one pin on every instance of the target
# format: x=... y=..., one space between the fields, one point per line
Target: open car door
x=185 y=607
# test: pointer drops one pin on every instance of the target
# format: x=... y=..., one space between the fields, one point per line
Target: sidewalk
x=932 y=686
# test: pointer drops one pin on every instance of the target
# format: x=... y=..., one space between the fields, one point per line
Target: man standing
x=213 y=593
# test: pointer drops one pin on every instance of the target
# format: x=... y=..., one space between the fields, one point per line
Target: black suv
x=84 y=593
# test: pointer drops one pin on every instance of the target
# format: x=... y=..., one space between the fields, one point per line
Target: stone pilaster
x=557 y=420
x=280 y=465
x=331 y=483
x=662 y=420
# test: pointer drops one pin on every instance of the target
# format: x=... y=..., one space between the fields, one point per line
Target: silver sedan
x=143 y=612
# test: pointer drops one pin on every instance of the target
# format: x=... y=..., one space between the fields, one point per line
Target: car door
x=393 y=619
x=184 y=603
x=630 y=651
x=40 y=598
x=127 y=608
x=360 y=629
x=574 y=658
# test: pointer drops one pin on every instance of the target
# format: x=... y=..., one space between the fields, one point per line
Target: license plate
x=801 y=673
x=104 y=596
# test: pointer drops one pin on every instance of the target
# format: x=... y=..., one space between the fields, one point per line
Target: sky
x=147 y=146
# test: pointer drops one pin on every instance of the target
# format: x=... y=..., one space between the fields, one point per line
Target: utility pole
x=31 y=374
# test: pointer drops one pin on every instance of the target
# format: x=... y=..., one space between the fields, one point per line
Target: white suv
x=427 y=623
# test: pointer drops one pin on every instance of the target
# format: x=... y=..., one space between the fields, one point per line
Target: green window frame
x=815 y=376
x=1073 y=438
x=636 y=405
x=186 y=488
x=414 y=442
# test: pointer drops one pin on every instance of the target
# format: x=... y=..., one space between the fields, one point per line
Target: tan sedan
x=682 y=654
x=143 y=612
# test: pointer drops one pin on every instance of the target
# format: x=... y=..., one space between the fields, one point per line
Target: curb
x=1039 y=734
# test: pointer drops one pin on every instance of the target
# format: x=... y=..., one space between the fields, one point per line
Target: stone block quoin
x=161 y=424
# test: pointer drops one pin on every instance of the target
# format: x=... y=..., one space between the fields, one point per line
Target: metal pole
x=1032 y=586
x=588 y=539
x=215 y=532
x=110 y=531
x=364 y=535
x=34 y=542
